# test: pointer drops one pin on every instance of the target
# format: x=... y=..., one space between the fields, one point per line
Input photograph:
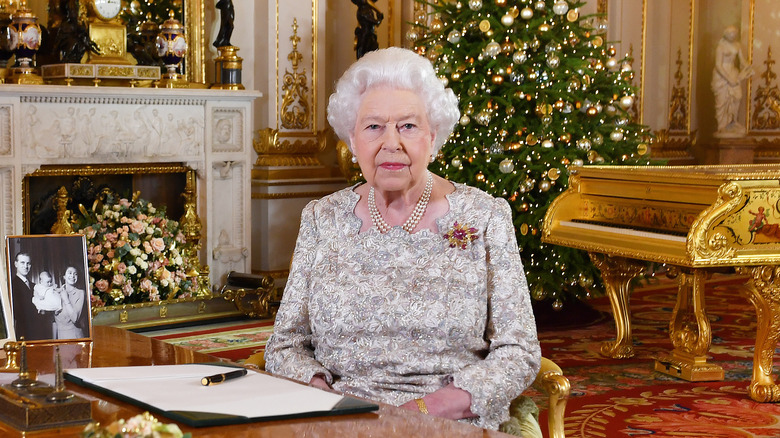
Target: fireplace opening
x=160 y=184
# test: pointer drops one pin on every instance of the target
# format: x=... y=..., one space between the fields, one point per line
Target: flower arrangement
x=141 y=426
x=134 y=253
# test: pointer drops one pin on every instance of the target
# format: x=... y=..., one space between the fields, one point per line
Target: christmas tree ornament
x=455 y=76
x=583 y=144
x=535 y=43
x=610 y=110
x=480 y=177
x=553 y=174
x=436 y=24
x=507 y=20
x=626 y=102
x=577 y=162
x=612 y=64
x=483 y=118
x=611 y=51
x=553 y=61
x=510 y=110
x=506 y=166
x=642 y=149
x=540 y=5
x=626 y=67
x=560 y=7
x=519 y=57
x=501 y=3
x=498 y=79
x=557 y=304
x=565 y=137
x=526 y=13
x=546 y=120
x=544 y=27
x=492 y=49
x=531 y=140
x=484 y=26
x=547 y=143
x=591 y=111
x=544 y=185
x=616 y=135
x=572 y=15
x=475 y=5
x=454 y=36
x=456 y=162
x=464 y=120
x=420 y=16
x=598 y=139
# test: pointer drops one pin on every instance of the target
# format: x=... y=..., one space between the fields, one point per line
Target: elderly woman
x=408 y=289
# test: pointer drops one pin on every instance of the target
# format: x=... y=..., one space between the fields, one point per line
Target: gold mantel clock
x=108 y=32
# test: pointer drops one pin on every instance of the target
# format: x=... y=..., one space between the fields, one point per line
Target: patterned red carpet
x=626 y=398
x=613 y=398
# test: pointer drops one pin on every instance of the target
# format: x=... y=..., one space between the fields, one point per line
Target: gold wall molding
x=678 y=107
x=673 y=146
x=766 y=112
x=282 y=149
x=296 y=111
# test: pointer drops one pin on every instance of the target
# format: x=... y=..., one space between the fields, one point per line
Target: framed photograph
x=48 y=288
x=6 y=325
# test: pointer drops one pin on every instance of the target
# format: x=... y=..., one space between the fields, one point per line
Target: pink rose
x=118 y=279
x=127 y=289
x=158 y=244
x=146 y=284
x=147 y=248
x=124 y=202
x=137 y=227
x=121 y=268
x=101 y=285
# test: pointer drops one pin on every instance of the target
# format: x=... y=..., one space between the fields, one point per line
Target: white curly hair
x=397 y=68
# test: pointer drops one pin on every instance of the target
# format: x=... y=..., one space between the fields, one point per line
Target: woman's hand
x=448 y=402
x=319 y=381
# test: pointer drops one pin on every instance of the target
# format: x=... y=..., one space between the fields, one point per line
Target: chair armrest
x=551 y=380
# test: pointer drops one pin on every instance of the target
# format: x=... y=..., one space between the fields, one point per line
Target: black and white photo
x=49 y=287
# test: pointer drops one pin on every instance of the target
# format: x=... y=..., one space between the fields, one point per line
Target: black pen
x=219 y=378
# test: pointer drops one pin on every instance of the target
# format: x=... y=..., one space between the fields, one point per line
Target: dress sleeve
x=289 y=351
x=514 y=355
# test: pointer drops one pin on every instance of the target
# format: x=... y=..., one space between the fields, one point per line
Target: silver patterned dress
x=392 y=317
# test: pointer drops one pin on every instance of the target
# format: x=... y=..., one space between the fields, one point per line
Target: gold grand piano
x=695 y=219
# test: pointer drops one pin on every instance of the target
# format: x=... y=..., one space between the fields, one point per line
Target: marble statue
x=730 y=71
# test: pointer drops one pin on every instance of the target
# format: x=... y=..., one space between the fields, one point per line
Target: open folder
x=176 y=392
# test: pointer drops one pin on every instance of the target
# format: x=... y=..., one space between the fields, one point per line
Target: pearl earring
x=354 y=159
x=433 y=158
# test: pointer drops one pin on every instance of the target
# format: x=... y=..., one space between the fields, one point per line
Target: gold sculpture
x=191 y=227
x=766 y=112
x=295 y=102
x=62 y=225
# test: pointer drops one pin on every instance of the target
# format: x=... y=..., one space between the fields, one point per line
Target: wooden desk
x=118 y=347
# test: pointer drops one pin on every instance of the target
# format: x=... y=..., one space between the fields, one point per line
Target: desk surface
x=118 y=347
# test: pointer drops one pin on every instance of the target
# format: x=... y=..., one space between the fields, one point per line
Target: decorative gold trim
x=296 y=111
x=671 y=145
x=282 y=273
x=749 y=81
x=125 y=307
x=690 y=65
x=271 y=151
x=194 y=23
x=314 y=65
x=602 y=7
x=704 y=243
x=767 y=101
x=678 y=107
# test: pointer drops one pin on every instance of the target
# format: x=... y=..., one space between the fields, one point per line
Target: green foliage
x=539 y=92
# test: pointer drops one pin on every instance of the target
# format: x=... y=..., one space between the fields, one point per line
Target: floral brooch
x=461 y=235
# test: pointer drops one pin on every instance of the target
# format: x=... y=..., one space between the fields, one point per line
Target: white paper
x=179 y=388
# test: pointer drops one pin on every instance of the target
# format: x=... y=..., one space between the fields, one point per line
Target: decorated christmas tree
x=540 y=91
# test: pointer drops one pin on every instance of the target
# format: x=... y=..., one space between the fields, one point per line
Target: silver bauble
x=519 y=57
x=454 y=37
x=493 y=49
x=616 y=135
x=560 y=7
x=464 y=120
x=553 y=61
x=506 y=166
x=626 y=102
x=456 y=162
x=507 y=20
x=547 y=144
x=527 y=13
x=475 y=5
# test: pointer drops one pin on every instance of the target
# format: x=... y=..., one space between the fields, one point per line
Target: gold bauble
x=480 y=177
x=501 y=3
x=436 y=24
x=498 y=79
x=592 y=111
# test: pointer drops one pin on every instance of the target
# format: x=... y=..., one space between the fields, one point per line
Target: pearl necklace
x=419 y=210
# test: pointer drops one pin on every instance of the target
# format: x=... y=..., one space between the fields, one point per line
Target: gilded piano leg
x=617 y=273
x=764 y=292
x=689 y=331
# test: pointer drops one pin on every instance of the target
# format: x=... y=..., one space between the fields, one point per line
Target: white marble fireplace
x=206 y=130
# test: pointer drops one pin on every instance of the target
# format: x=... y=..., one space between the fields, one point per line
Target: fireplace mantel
x=208 y=130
